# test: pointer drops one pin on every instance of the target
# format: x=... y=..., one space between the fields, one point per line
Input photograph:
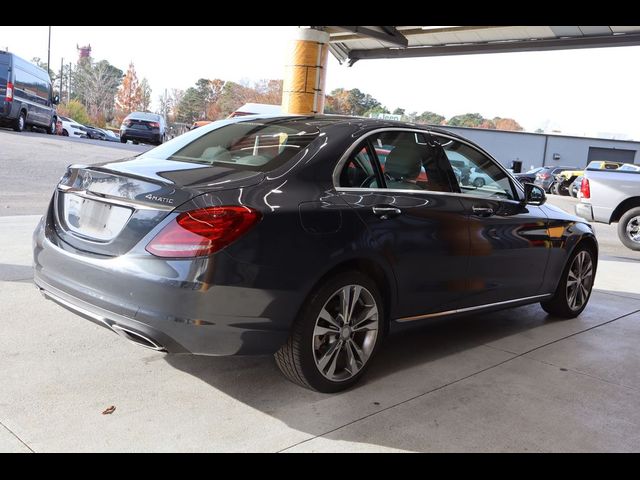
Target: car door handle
x=385 y=213
x=482 y=211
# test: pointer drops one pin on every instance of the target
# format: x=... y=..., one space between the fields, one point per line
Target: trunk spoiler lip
x=137 y=205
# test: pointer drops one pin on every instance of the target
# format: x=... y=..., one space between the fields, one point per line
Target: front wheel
x=335 y=336
x=123 y=139
x=478 y=182
x=629 y=229
x=574 y=288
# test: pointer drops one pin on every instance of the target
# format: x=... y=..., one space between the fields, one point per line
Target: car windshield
x=253 y=145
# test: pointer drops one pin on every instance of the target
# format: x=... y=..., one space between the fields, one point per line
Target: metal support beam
x=621 y=40
x=389 y=35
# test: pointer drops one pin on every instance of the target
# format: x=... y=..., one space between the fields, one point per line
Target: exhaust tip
x=137 y=338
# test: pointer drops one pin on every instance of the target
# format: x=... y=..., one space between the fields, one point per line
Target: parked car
x=528 y=176
x=92 y=132
x=143 y=127
x=545 y=178
x=108 y=135
x=71 y=128
x=610 y=196
x=574 y=188
x=282 y=234
x=565 y=178
x=26 y=96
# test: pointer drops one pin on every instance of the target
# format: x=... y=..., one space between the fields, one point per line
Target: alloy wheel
x=345 y=333
x=579 y=280
x=633 y=229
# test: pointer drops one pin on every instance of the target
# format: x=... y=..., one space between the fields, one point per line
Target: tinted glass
x=359 y=171
x=410 y=162
x=479 y=175
x=4 y=73
x=248 y=145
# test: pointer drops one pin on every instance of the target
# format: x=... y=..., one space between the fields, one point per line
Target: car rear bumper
x=171 y=306
x=585 y=211
x=140 y=135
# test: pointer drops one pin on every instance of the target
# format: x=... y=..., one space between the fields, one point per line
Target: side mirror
x=56 y=100
x=534 y=195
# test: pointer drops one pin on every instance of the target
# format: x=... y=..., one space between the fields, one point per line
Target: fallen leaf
x=109 y=410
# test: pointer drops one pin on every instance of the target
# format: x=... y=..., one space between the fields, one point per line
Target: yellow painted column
x=305 y=72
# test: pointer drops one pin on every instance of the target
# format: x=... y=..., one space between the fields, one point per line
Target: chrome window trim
x=345 y=156
x=518 y=186
x=469 y=309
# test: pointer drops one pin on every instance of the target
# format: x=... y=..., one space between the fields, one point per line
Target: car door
x=509 y=241
x=413 y=218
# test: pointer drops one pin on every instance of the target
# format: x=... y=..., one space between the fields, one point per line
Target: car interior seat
x=403 y=167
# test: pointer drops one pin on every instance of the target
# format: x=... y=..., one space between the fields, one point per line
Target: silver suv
x=143 y=127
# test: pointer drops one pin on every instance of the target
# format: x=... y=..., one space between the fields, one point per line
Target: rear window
x=257 y=146
x=4 y=72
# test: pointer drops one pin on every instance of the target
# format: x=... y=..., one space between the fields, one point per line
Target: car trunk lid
x=107 y=209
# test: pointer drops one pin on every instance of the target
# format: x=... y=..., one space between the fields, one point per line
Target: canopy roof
x=350 y=44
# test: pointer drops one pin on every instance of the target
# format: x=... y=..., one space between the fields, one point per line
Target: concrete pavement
x=515 y=380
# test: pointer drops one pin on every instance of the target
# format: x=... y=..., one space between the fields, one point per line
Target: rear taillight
x=543 y=176
x=154 y=124
x=585 y=189
x=202 y=232
x=9 y=92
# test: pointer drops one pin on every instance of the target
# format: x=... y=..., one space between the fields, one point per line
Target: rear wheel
x=629 y=229
x=52 y=127
x=123 y=139
x=336 y=335
x=574 y=288
x=20 y=122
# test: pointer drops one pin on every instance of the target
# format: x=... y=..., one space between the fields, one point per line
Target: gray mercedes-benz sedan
x=305 y=236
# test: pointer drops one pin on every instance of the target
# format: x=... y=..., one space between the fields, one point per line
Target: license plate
x=93 y=219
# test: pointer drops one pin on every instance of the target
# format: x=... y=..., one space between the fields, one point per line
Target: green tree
x=466 y=120
x=74 y=110
x=375 y=111
x=398 y=111
x=190 y=107
x=430 y=118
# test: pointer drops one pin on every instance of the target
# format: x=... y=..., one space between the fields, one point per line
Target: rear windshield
x=4 y=72
x=258 y=146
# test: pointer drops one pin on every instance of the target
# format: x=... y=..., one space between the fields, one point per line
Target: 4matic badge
x=155 y=198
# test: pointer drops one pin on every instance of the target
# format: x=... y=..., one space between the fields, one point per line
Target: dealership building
x=540 y=149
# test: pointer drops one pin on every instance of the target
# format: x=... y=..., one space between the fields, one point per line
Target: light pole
x=49 y=51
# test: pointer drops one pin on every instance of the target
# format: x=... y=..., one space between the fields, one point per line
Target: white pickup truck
x=609 y=196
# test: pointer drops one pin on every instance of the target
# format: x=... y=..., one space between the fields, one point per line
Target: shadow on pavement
x=409 y=363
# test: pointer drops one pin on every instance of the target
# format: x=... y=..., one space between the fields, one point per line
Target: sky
x=590 y=92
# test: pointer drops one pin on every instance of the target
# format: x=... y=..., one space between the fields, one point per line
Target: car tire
x=575 y=285
x=629 y=229
x=20 y=122
x=52 y=128
x=123 y=139
x=478 y=182
x=65 y=133
x=323 y=353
